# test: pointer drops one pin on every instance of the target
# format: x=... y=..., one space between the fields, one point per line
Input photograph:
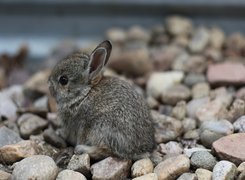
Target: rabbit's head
x=74 y=76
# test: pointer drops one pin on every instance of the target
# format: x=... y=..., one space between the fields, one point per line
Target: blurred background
x=40 y=32
x=44 y=24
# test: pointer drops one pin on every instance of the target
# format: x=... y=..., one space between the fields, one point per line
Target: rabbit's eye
x=63 y=80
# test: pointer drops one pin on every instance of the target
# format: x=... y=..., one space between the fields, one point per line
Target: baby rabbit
x=101 y=115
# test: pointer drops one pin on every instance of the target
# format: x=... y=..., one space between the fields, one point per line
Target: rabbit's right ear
x=98 y=59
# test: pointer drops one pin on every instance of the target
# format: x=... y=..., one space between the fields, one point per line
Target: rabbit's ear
x=99 y=58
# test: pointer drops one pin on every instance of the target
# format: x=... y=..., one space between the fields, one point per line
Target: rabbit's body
x=108 y=114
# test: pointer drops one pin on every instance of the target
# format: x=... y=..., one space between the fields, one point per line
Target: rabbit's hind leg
x=94 y=152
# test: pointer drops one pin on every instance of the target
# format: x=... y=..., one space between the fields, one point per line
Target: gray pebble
x=203 y=159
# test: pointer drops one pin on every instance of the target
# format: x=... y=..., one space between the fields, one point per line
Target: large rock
x=141 y=167
x=69 y=174
x=110 y=169
x=116 y=35
x=226 y=73
x=172 y=167
x=160 y=81
x=35 y=167
x=8 y=136
x=224 y=170
x=31 y=124
x=15 y=152
x=231 y=148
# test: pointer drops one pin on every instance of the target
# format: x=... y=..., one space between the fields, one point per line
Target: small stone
x=175 y=94
x=167 y=128
x=210 y=131
x=141 y=167
x=69 y=174
x=199 y=40
x=203 y=159
x=191 y=151
x=194 y=105
x=80 y=163
x=231 y=148
x=188 y=124
x=179 y=63
x=110 y=168
x=52 y=138
x=188 y=176
x=194 y=78
x=179 y=111
x=8 y=136
x=172 y=167
x=203 y=174
x=236 y=110
x=226 y=73
x=35 y=167
x=217 y=38
x=15 y=152
x=177 y=25
x=116 y=35
x=8 y=109
x=42 y=103
x=150 y=176
x=160 y=81
x=200 y=90
x=224 y=170
x=5 y=176
x=31 y=124
x=171 y=147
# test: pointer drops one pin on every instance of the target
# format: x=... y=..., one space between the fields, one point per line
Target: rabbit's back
x=118 y=117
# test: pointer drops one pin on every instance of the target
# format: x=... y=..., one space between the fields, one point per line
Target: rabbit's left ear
x=99 y=58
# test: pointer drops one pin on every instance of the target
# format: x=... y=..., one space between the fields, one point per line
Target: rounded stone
x=224 y=170
x=203 y=159
x=36 y=167
x=141 y=167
